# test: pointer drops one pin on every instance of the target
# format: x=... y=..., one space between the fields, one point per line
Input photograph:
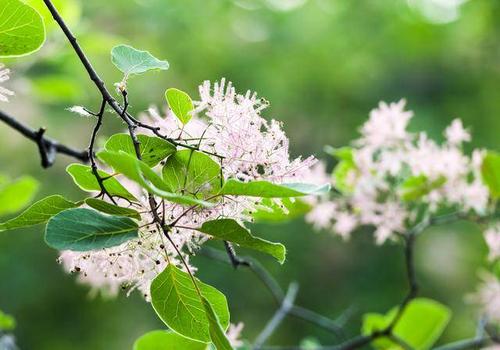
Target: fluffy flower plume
x=390 y=174
x=488 y=297
x=227 y=124
x=4 y=76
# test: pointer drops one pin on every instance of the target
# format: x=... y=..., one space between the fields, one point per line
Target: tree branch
x=47 y=147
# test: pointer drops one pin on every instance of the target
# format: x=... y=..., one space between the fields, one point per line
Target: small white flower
x=234 y=334
x=80 y=111
x=492 y=238
x=488 y=297
x=456 y=134
x=4 y=76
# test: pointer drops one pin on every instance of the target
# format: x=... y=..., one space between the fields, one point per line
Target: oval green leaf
x=84 y=229
x=230 y=230
x=265 y=189
x=17 y=194
x=39 y=212
x=177 y=303
x=132 y=61
x=153 y=149
x=85 y=179
x=180 y=103
x=21 y=29
x=165 y=340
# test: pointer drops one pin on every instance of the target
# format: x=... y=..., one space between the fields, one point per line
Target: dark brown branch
x=47 y=147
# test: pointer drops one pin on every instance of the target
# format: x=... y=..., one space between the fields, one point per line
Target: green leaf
x=192 y=172
x=132 y=61
x=177 y=303
x=265 y=189
x=85 y=179
x=39 y=212
x=112 y=209
x=230 y=230
x=270 y=211
x=490 y=171
x=21 y=29
x=70 y=10
x=17 y=194
x=153 y=149
x=143 y=175
x=166 y=340
x=420 y=326
x=7 y=322
x=216 y=331
x=415 y=187
x=180 y=103
x=344 y=168
x=84 y=229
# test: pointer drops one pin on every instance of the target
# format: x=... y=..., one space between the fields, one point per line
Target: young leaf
x=143 y=175
x=166 y=340
x=17 y=194
x=85 y=179
x=416 y=187
x=21 y=29
x=180 y=103
x=153 y=149
x=108 y=208
x=7 y=322
x=84 y=229
x=192 y=172
x=490 y=171
x=269 y=211
x=132 y=61
x=421 y=324
x=177 y=303
x=265 y=189
x=216 y=331
x=230 y=230
x=39 y=212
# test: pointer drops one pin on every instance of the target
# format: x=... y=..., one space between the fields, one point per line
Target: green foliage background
x=323 y=66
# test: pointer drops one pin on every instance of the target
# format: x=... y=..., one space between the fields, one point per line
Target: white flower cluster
x=227 y=124
x=392 y=179
x=389 y=169
x=4 y=76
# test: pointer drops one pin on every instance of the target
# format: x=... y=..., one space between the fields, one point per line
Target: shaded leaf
x=180 y=103
x=192 y=172
x=17 y=194
x=39 y=212
x=146 y=177
x=153 y=149
x=85 y=179
x=216 y=331
x=84 y=229
x=178 y=304
x=165 y=340
x=112 y=209
x=267 y=189
x=132 y=61
x=21 y=29
x=230 y=230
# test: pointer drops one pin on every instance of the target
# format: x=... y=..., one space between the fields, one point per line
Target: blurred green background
x=323 y=64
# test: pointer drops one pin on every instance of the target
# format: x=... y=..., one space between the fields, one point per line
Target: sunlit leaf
x=178 y=304
x=143 y=175
x=108 y=208
x=7 y=322
x=420 y=326
x=230 y=230
x=39 y=212
x=17 y=194
x=84 y=229
x=180 y=103
x=21 y=29
x=165 y=340
x=153 y=149
x=267 y=189
x=416 y=187
x=269 y=211
x=132 y=61
x=490 y=170
x=85 y=179
x=192 y=172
